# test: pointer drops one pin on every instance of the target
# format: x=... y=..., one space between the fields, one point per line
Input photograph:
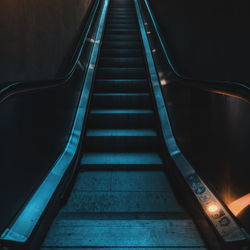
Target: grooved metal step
x=120 y=73
x=117 y=140
x=121 y=62
x=121 y=9
x=122 y=52
x=121 y=101
x=128 y=37
x=121 y=118
x=120 y=26
x=122 y=14
x=127 y=159
x=121 y=45
x=121 y=86
x=121 y=31
x=122 y=21
x=124 y=17
x=120 y=234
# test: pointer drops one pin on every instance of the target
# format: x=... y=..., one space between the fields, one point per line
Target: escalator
x=115 y=175
x=122 y=196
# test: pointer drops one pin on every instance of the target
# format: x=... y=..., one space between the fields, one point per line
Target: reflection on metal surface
x=92 y=66
x=163 y=82
x=240 y=204
x=162 y=78
x=220 y=92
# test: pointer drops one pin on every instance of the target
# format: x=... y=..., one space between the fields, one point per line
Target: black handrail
x=12 y=88
x=234 y=89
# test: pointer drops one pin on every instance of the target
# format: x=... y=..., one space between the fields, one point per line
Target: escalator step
x=120 y=73
x=113 y=8
x=127 y=181
x=121 y=86
x=122 y=9
x=121 y=118
x=122 y=16
x=121 y=31
x=118 y=202
x=116 y=159
x=121 y=101
x=122 y=21
x=122 y=52
x=125 y=13
x=121 y=45
x=129 y=37
x=115 y=140
x=123 y=234
x=121 y=25
x=121 y=62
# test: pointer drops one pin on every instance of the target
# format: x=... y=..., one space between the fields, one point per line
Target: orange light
x=212 y=208
x=238 y=205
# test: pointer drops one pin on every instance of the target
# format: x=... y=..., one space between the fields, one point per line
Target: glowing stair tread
x=121 y=111
x=122 y=86
x=121 y=132
x=124 y=233
x=125 y=61
x=122 y=81
x=123 y=158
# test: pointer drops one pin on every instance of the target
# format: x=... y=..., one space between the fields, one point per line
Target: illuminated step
x=122 y=44
x=121 y=158
x=117 y=37
x=123 y=181
x=121 y=52
x=122 y=100
x=121 y=86
x=121 y=21
x=121 y=233
x=121 y=140
x=121 y=118
x=122 y=16
x=107 y=61
x=121 y=31
x=120 y=25
x=121 y=73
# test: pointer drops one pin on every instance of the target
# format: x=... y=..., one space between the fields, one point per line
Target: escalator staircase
x=122 y=197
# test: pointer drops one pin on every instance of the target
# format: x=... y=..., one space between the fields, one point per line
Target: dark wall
x=37 y=36
x=213 y=133
x=207 y=39
x=35 y=125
